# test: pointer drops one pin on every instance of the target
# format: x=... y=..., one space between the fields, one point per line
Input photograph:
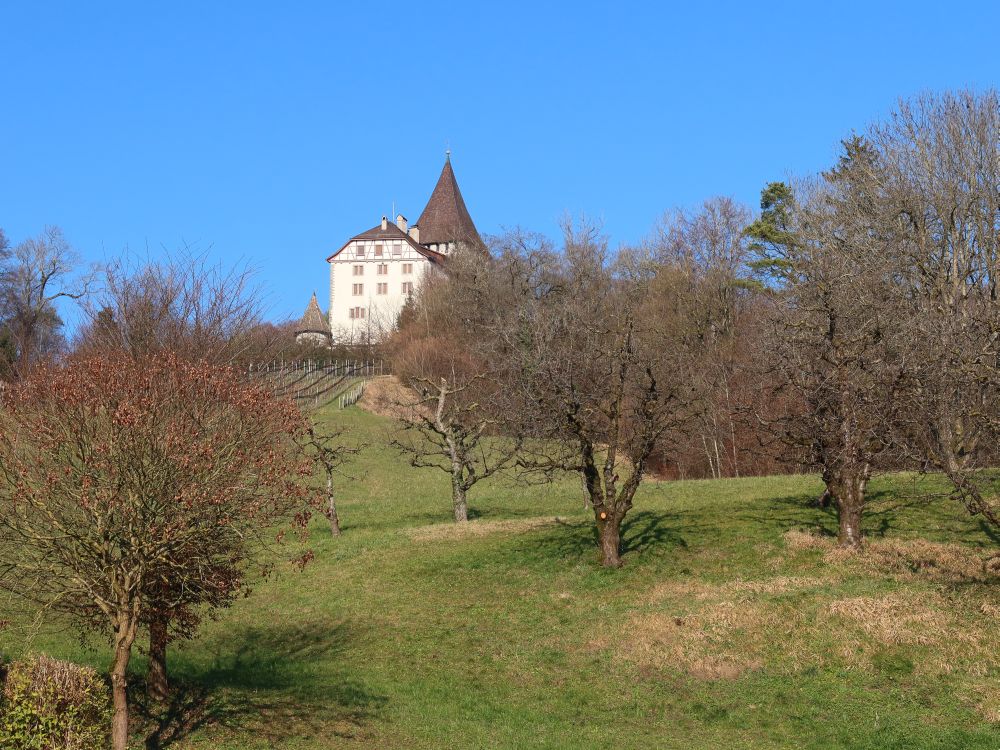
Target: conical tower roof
x=445 y=217
x=313 y=320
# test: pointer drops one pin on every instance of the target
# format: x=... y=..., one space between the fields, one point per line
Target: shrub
x=48 y=704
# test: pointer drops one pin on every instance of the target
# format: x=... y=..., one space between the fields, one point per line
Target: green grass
x=403 y=635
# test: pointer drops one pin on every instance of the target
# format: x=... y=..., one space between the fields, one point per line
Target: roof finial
x=447 y=150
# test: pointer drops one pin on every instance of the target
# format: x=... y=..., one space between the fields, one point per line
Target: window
x=397 y=249
x=383 y=269
x=407 y=287
x=359 y=250
x=358 y=289
x=407 y=268
x=378 y=251
x=359 y=270
x=382 y=288
x=357 y=313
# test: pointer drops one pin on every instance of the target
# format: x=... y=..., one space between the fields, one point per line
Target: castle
x=374 y=273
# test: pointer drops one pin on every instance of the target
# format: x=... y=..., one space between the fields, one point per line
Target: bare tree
x=935 y=178
x=454 y=422
x=328 y=448
x=180 y=303
x=599 y=383
x=452 y=434
x=831 y=344
x=710 y=251
x=33 y=278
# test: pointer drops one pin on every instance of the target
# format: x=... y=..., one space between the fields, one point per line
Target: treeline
x=852 y=326
x=179 y=301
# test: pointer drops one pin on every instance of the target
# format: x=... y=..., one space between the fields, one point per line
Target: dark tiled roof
x=445 y=217
x=313 y=320
x=391 y=232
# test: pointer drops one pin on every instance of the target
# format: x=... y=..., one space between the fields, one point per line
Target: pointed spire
x=313 y=320
x=445 y=218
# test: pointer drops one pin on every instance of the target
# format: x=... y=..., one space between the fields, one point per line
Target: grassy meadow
x=733 y=624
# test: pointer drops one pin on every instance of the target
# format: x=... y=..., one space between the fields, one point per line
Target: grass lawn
x=733 y=624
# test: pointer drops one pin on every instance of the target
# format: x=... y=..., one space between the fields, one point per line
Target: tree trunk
x=331 y=508
x=157 y=685
x=849 y=495
x=610 y=539
x=461 y=504
x=823 y=501
x=124 y=638
x=458 y=488
x=849 y=511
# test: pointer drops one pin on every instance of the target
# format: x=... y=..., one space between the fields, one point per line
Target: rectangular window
x=407 y=287
x=359 y=270
x=407 y=268
x=358 y=289
x=383 y=269
x=397 y=249
x=360 y=250
x=382 y=288
x=356 y=313
x=378 y=251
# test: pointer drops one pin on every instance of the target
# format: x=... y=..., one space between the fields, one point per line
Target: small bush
x=48 y=704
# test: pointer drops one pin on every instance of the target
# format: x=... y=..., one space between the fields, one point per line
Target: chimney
x=385 y=223
x=401 y=222
x=415 y=233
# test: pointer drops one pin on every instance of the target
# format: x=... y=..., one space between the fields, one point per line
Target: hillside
x=734 y=623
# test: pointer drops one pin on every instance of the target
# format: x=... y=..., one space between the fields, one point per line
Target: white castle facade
x=375 y=272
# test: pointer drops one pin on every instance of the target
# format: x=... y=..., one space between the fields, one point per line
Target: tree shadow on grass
x=888 y=512
x=641 y=532
x=801 y=510
x=646 y=529
x=273 y=682
x=989 y=530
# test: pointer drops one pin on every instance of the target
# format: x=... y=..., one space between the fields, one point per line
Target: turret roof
x=313 y=320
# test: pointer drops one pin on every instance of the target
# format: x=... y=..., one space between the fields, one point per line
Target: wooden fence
x=314 y=383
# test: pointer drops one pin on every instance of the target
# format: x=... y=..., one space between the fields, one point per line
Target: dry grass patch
x=938 y=635
x=795 y=539
x=719 y=641
x=901 y=619
x=985 y=696
x=387 y=397
x=906 y=559
x=720 y=631
x=738 y=588
x=470 y=529
x=949 y=563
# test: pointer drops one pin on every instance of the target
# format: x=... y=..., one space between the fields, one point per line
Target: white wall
x=381 y=310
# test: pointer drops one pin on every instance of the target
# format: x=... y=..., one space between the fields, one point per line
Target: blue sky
x=272 y=132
